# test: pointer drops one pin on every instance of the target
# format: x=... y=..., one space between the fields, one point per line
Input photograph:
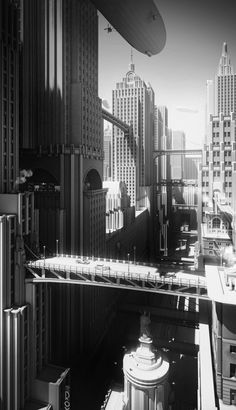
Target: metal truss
x=45 y=270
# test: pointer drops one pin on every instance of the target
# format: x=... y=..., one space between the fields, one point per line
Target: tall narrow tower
x=133 y=103
x=225 y=85
x=218 y=181
x=61 y=136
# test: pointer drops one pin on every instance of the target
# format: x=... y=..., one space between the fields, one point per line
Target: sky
x=195 y=31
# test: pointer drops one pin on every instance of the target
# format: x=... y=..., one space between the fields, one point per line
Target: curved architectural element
x=92 y=181
x=138 y=21
x=146 y=374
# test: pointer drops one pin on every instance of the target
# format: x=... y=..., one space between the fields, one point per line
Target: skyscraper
x=218 y=181
x=162 y=142
x=61 y=139
x=177 y=161
x=133 y=103
x=17 y=223
x=218 y=174
x=9 y=96
x=225 y=81
x=107 y=154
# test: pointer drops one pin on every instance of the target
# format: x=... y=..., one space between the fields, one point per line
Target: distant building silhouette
x=107 y=154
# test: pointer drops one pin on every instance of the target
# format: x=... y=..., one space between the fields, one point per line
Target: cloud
x=187 y=110
x=105 y=104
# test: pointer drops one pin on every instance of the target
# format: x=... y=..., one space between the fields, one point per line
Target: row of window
x=216 y=124
x=217 y=173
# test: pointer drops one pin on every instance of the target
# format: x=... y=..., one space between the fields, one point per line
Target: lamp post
x=44 y=253
x=134 y=248
x=57 y=253
x=128 y=255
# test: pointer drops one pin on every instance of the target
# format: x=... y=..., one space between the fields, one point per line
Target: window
x=216 y=223
x=232 y=349
x=232 y=370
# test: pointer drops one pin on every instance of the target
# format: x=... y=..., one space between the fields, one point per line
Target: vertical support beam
x=72 y=203
x=81 y=205
x=8 y=358
x=16 y=358
x=2 y=298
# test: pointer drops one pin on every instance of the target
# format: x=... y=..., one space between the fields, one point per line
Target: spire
x=131 y=64
x=225 y=66
x=224 y=49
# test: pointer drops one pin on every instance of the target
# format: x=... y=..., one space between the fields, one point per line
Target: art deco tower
x=218 y=181
x=62 y=129
x=133 y=103
x=225 y=85
x=219 y=156
x=16 y=222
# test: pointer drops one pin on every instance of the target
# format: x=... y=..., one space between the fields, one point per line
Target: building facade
x=218 y=181
x=162 y=175
x=218 y=170
x=107 y=154
x=133 y=103
x=62 y=138
x=178 y=141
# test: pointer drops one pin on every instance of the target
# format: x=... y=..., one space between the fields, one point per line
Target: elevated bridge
x=79 y=270
x=197 y=153
x=106 y=115
x=178 y=182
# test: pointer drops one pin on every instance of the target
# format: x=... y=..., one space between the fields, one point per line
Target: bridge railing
x=100 y=259
x=89 y=273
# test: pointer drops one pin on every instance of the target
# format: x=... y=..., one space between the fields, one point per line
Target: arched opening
x=42 y=180
x=216 y=223
x=92 y=181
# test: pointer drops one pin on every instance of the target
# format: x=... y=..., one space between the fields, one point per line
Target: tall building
x=225 y=80
x=118 y=207
x=218 y=171
x=218 y=181
x=107 y=154
x=62 y=138
x=178 y=141
x=162 y=142
x=133 y=103
x=9 y=95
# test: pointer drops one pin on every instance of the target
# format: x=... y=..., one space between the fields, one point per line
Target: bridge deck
x=111 y=273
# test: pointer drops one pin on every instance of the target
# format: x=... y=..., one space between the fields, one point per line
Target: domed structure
x=146 y=373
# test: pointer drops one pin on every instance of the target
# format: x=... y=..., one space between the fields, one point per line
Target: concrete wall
x=122 y=242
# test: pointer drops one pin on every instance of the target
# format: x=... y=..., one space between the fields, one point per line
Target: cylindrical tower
x=146 y=372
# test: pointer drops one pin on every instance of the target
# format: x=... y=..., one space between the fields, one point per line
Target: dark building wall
x=136 y=235
x=224 y=348
x=80 y=319
x=61 y=116
x=9 y=95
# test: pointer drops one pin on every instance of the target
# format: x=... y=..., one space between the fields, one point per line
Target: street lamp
x=43 y=270
x=128 y=255
x=57 y=241
x=134 y=248
x=44 y=254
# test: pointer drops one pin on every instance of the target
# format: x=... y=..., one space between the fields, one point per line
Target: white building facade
x=133 y=103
